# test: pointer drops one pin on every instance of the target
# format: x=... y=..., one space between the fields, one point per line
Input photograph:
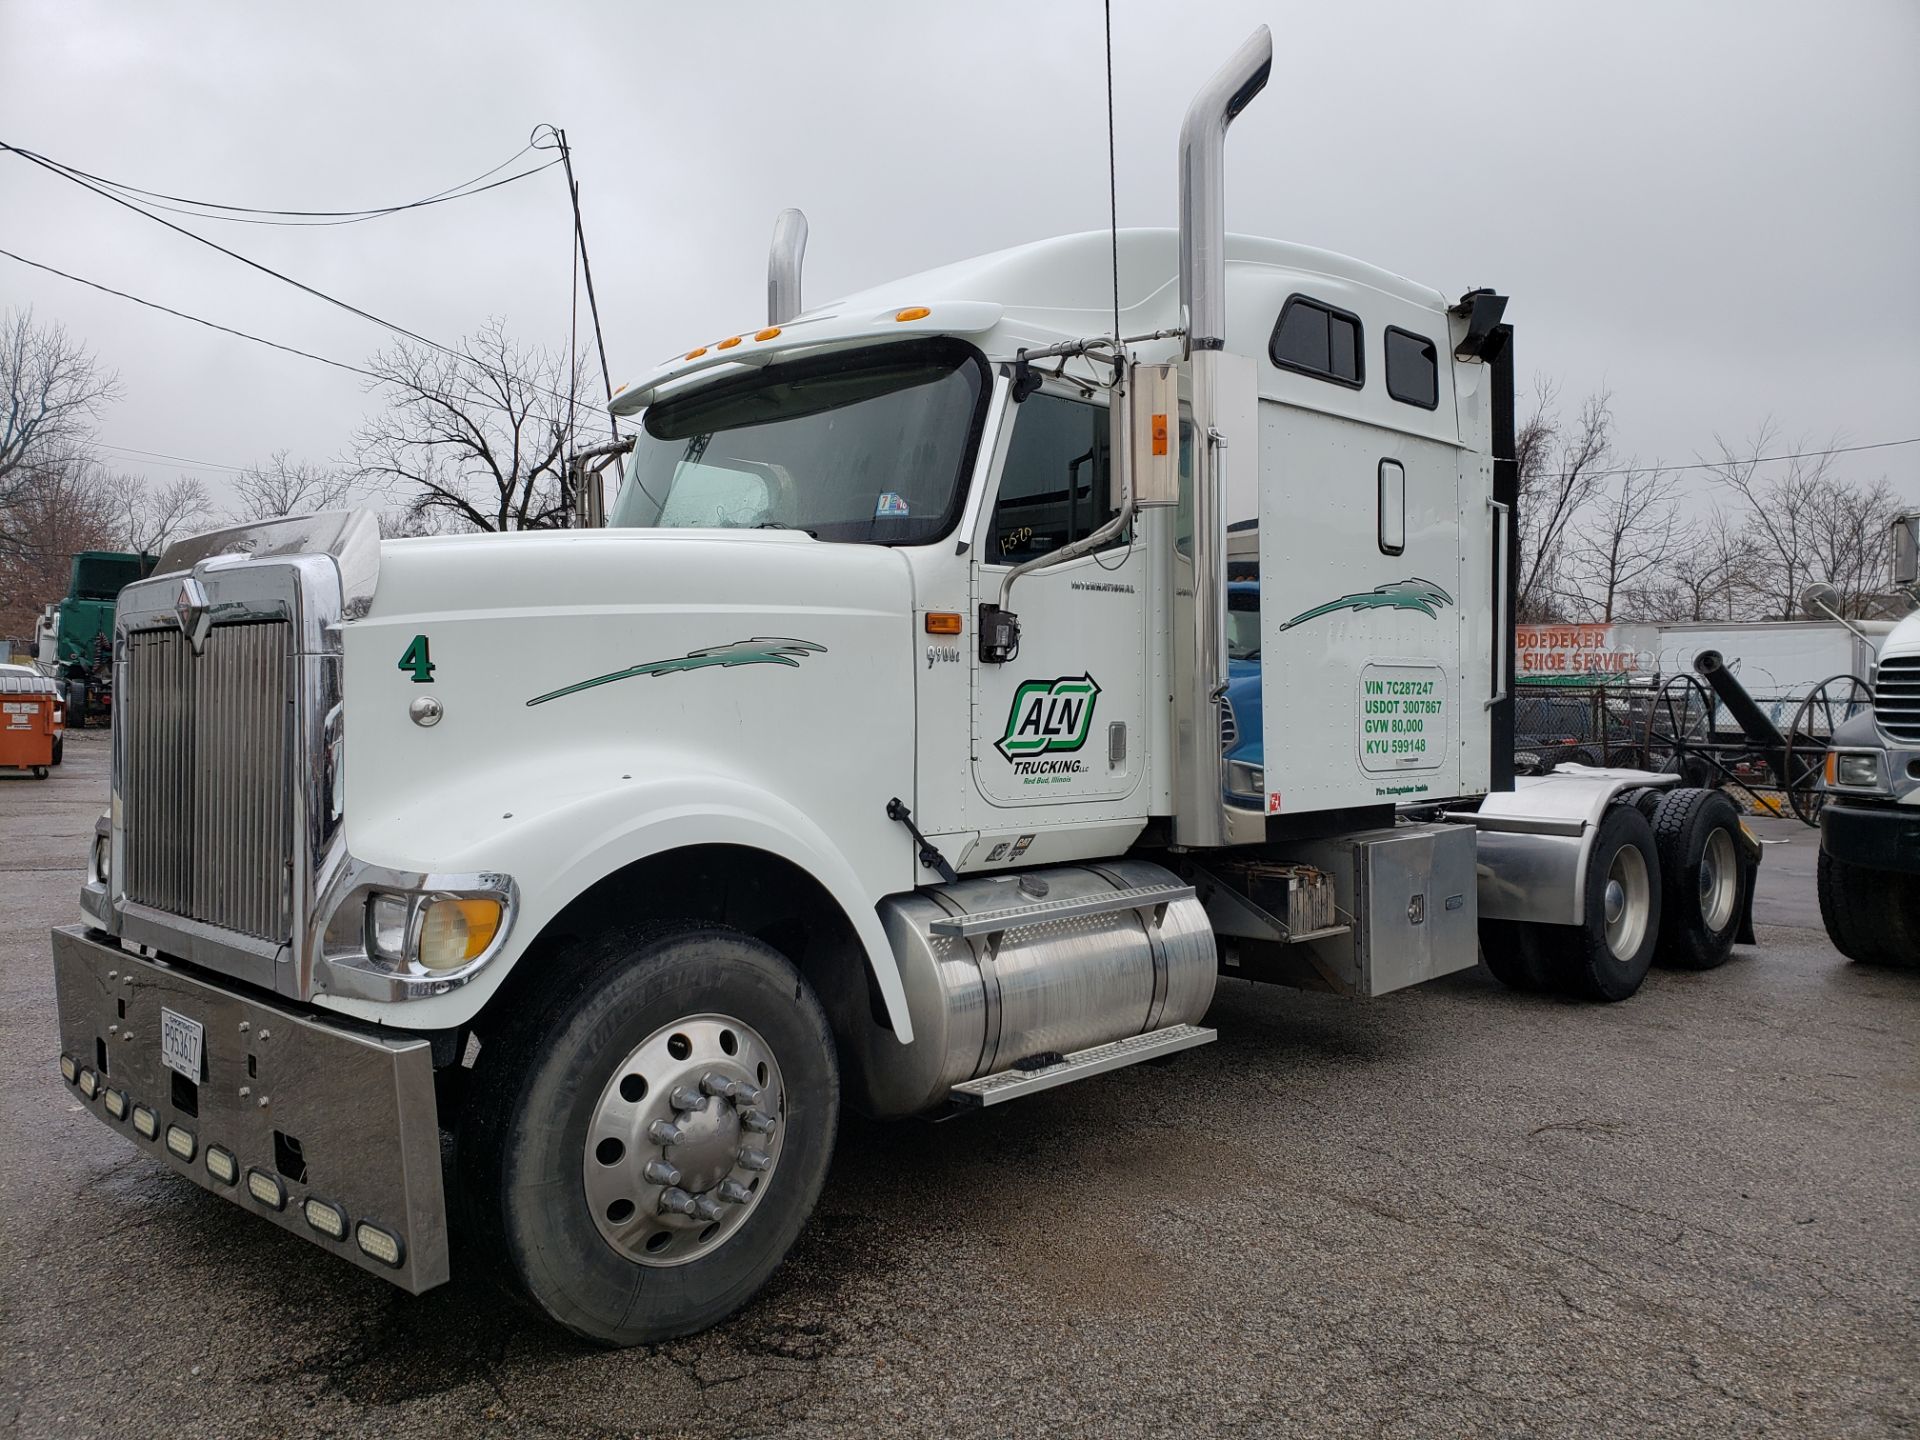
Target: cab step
x=1012 y=1084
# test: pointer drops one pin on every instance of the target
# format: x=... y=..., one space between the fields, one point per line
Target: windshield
x=869 y=447
x=1243 y=623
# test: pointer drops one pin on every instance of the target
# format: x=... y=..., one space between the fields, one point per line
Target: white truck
x=1870 y=824
x=556 y=888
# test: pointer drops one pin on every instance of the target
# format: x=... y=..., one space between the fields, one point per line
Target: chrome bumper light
x=116 y=1103
x=381 y=1245
x=267 y=1189
x=329 y=1220
x=145 y=1122
x=181 y=1141
x=221 y=1165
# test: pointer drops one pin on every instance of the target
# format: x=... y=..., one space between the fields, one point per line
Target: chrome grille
x=1896 y=697
x=205 y=776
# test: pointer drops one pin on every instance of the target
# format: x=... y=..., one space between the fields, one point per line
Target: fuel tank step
x=992 y=922
x=1096 y=1060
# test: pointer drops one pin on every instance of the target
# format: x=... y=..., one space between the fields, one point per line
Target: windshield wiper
x=782 y=525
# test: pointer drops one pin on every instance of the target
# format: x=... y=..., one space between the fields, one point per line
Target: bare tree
x=1705 y=577
x=51 y=391
x=1781 y=508
x=1849 y=529
x=478 y=437
x=1557 y=465
x=281 y=487
x=61 y=505
x=1624 y=537
x=146 y=518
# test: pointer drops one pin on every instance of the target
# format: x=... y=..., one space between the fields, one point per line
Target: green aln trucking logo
x=1048 y=717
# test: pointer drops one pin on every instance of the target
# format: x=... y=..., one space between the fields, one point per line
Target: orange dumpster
x=30 y=723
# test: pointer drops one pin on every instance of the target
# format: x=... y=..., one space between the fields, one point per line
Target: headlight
x=456 y=931
x=1854 y=769
x=1244 y=779
x=103 y=858
x=387 y=917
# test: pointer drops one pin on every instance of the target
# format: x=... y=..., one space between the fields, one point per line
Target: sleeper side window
x=1413 y=369
x=1054 y=488
x=1318 y=340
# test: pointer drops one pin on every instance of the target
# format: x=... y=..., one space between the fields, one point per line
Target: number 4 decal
x=416 y=659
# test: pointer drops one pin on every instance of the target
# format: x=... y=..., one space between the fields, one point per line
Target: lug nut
x=684 y=1099
x=707 y=1208
x=664 y=1132
x=733 y=1192
x=659 y=1172
x=745 y=1096
x=757 y=1121
x=677 y=1201
x=714 y=1083
x=754 y=1159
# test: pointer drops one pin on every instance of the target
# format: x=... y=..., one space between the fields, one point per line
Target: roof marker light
x=913 y=312
x=767 y=334
x=728 y=344
x=697 y=352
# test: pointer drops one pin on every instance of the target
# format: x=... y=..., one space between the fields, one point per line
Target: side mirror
x=1152 y=450
x=1906 y=550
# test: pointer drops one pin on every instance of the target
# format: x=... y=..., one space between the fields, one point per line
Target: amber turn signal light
x=943 y=622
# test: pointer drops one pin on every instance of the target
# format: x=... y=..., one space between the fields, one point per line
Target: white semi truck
x=1870 y=825
x=555 y=889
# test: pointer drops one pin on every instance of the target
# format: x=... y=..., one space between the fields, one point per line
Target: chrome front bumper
x=329 y=1115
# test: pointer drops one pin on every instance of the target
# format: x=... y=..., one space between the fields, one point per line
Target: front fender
x=566 y=842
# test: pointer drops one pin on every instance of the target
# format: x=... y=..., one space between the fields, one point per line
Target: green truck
x=76 y=635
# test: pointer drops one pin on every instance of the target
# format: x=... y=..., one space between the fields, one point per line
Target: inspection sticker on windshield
x=890 y=504
x=181 y=1041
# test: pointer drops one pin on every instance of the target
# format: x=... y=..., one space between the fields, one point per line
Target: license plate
x=181 y=1041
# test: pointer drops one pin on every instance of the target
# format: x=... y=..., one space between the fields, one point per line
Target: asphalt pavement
x=1455 y=1211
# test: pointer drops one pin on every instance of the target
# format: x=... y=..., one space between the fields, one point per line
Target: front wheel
x=1872 y=916
x=647 y=1146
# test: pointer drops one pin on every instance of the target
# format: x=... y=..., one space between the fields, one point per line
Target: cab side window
x=1318 y=340
x=1054 y=488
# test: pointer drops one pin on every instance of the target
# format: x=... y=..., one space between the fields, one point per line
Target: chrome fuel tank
x=1002 y=968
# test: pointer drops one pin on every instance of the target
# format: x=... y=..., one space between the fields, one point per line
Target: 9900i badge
x=1048 y=716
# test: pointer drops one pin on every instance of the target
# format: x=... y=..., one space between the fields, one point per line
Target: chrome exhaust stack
x=783 y=266
x=1201 y=816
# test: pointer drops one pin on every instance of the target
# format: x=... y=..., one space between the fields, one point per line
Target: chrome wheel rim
x=1628 y=895
x=684 y=1139
x=1719 y=881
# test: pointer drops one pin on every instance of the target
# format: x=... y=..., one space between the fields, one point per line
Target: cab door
x=1064 y=722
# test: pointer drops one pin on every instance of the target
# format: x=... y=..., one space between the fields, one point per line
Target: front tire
x=576 y=1180
x=1872 y=916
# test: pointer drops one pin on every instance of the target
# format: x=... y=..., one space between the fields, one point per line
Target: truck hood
x=564 y=663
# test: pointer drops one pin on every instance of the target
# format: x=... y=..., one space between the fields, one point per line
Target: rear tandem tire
x=549 y=1076
x=1872 y=916
x=1607 y=956
x=1697 y=833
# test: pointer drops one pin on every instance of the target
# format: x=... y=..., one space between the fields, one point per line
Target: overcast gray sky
x=1712 y=208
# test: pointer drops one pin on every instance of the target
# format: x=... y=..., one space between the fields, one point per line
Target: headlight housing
x=1245 y=779
x=1854 y=770
x=401 y=935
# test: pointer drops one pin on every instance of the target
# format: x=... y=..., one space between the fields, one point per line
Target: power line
x=182 y=459
x=586 y=267
x=477 y=401
x=1756 y=459
x=53 y=169
x=299 y=217
x=357 y=219
x=183 y=315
